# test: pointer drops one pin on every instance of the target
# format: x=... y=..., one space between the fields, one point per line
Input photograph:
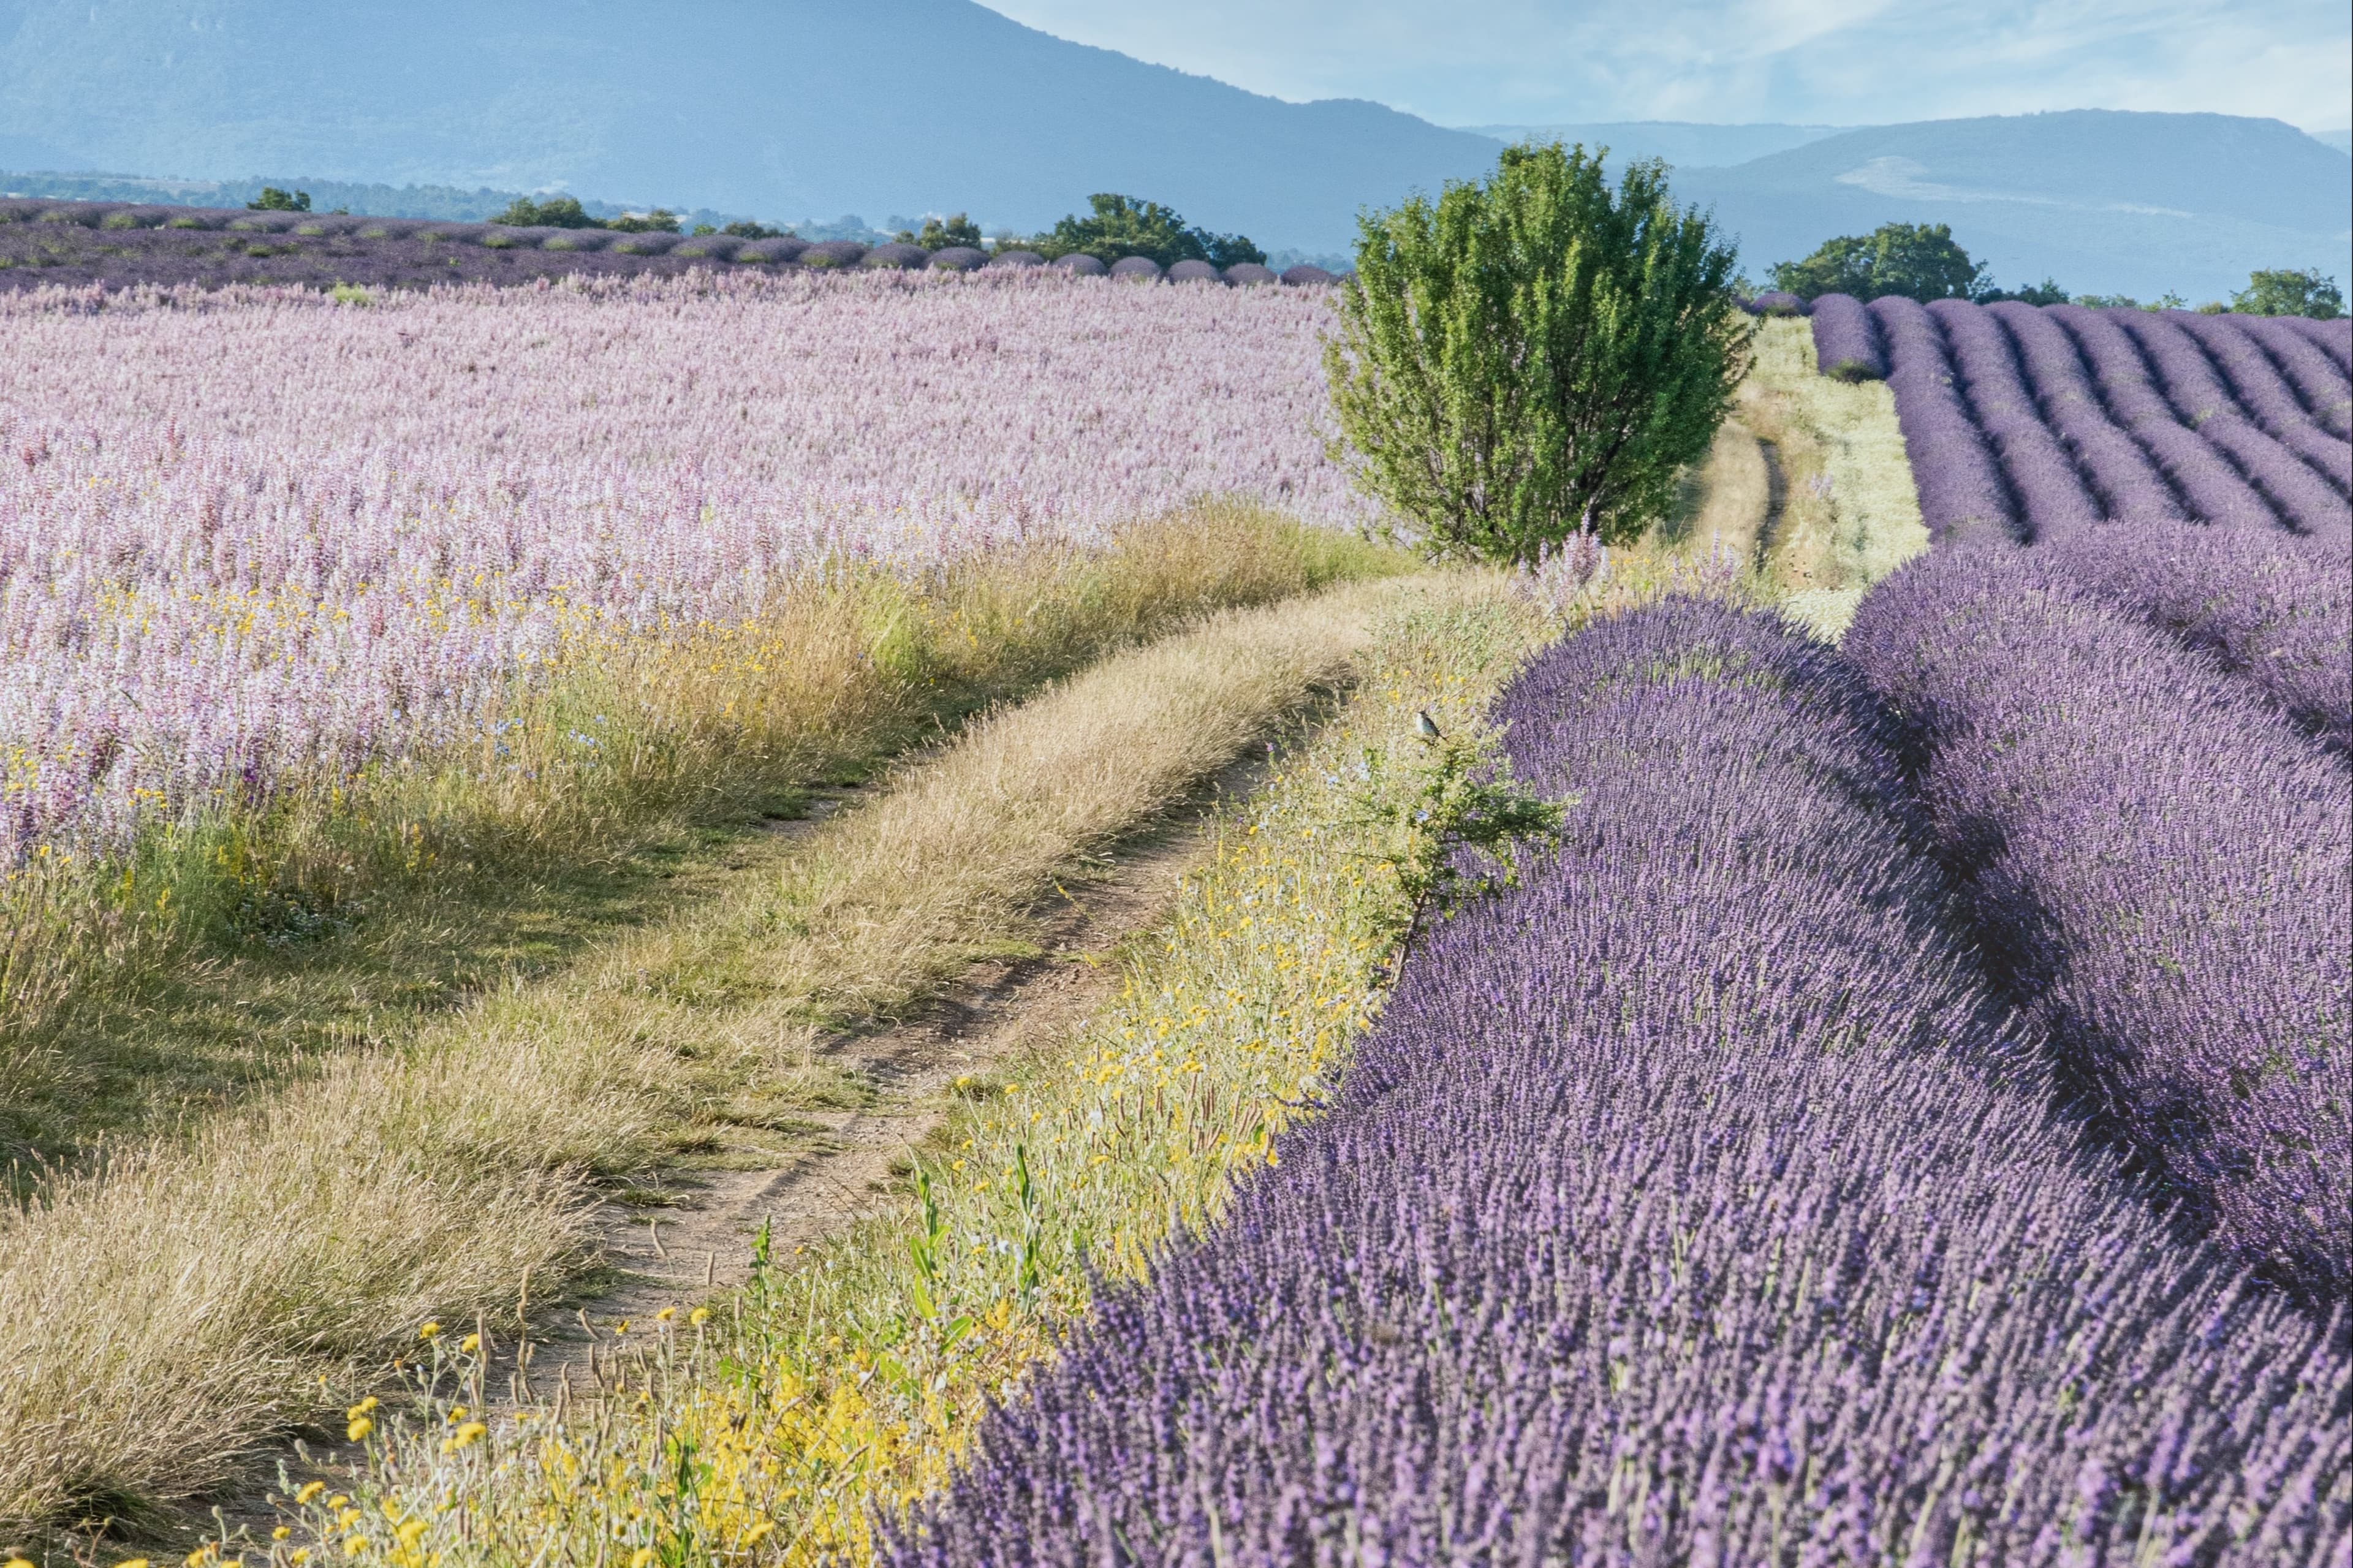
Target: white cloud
x=1822 y=61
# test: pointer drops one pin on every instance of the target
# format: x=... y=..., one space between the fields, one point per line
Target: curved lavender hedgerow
x=2334 y=338
x=2212 y=488
x=2317 y=378
x=2302 y=497
x=1662 y=1220
x=2164 y=870
x=1961 y=493
x=2120 y=473
x=2274 y=609
x=2052 y=497
x=2265 y=394
x=1845 y=344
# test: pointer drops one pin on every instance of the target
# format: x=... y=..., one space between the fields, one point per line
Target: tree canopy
x=2281 y=292
x=273 y=200
x=1535 y=355
x=1122 y=226
x=1918 y=261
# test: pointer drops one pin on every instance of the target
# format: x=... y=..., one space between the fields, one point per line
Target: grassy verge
x=848 y=1380
x=187 y=1300
x=228 y=950
x=1848 y=515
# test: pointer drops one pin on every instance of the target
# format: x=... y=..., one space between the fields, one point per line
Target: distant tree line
x=1924 y=262
x=565 y=212
x=1116 y=227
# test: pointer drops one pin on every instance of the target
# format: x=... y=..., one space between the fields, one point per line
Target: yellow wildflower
x=470 y=1344
x=641 y=1556
x=428 y=1330
x=355 y=1544
x=280 y=1534
x=698 y=1317
x=358 y=1430
x=310 y=1489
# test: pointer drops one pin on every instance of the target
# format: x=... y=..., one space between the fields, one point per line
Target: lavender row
x=2162 y=869
x=2265 y=394
x=2270 y=607
x=1845 y=343
x=67 y=243
x=2334 y=338
x=2038 y=423
x=2300 y=496
x=2051 y=501
x=1962 y=495
x=2133 y=477
x=1686 y=1206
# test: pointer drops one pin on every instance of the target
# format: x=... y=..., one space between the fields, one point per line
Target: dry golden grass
x=223 y=954
x=1724 y=504
x=1847 y=513
x=182 y=1300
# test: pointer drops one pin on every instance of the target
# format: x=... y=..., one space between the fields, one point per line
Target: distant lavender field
x=2034 y=424
x=111 y=246
x=248 y=532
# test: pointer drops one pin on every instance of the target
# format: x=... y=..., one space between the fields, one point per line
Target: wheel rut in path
x=696 y=1234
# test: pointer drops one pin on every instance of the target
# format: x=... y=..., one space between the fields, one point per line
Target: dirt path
x=696 y=1234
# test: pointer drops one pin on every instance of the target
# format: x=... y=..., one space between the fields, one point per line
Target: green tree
x=745 y=228
x=2281 y=292
x=273 y=200
x=1129 y=225
x=2046 y=292
x=556 y=212
x=957 y=230
x=1919 y=261
x=1535 y=355
x=661 y=220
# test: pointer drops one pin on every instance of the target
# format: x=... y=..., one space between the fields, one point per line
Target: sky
x=1831 y=62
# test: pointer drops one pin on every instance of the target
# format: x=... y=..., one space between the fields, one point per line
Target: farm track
x=696 y=1235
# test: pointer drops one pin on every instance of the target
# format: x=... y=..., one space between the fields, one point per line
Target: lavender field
x=2035 y=421
x=1696 y=1202
x=112 y=246
x=245 y=534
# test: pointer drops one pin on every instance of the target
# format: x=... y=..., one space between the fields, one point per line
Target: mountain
x=2105 y=202
x=784 y=108
x=1681 y=142
x=2340 y=140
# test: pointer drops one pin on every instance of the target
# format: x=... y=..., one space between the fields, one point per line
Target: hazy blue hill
x=781 y=108
x=2340 y=140
x=2106 y=202
x=1684 y=144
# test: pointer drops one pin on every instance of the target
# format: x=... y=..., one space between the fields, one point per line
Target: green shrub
x=745 y=228
x=273 y=200
x=1535 y=355
x=1919 y=261
x=1122 y=226
x=2281 y=292
x=556 y=212
x=661 y=220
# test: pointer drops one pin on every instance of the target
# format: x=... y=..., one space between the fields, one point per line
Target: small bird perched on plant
x=1425 y=727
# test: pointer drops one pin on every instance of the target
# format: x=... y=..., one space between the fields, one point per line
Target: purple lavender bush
x=2300 y=497
x=1846 y=346
x=2053 y=499
x=2209 y=483
x=2268 y=397
x=2333 y=337
x=2319 y=380
x=1687 y=1205
x=1775 y=302
x=2127 y=482
x=2163 y=873
x=1961 y=493
x=2273 y=609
